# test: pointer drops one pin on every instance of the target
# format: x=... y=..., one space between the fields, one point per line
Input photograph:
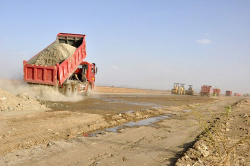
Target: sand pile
x=56 y=54
x=20 y=102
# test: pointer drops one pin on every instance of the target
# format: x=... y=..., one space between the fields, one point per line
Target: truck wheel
x=68 y=90
x=74 y=89
x=89 y=90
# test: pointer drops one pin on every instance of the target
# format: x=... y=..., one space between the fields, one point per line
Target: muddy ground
x=108 y=128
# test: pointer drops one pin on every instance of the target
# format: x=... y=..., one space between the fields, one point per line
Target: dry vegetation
x=225 y=141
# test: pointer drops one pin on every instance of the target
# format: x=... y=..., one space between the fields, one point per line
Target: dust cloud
x=42 y=92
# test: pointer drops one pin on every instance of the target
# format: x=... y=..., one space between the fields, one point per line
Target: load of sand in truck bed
x=57 y=54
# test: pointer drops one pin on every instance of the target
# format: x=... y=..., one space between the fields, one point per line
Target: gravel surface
x=56 y=54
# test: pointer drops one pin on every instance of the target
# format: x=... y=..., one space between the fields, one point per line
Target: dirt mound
x=20 y=102
x=35 y=91
x=55 y=54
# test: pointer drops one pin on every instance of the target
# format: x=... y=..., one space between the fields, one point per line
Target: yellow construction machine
x=178 y=89
x=190 y=90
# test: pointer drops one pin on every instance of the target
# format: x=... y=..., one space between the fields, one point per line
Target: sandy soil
x=12 y=105
x=103 y=89
x=79 y=133
x=55 y=55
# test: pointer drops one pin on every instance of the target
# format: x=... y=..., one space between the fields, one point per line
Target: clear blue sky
x=142 y=43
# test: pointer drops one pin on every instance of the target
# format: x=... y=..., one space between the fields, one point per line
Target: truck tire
x=68 y=90
x=74 y=89
x=89 y=90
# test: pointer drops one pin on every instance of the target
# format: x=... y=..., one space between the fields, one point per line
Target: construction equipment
x=175 y=88
x=246 y=95
x=237 y=94
x=190 y=90
x=229 y=93
x=71 y=76
x=178 y=89
x=216 y=92
x=206 y=90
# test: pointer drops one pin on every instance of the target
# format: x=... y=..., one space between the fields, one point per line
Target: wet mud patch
x=144 y=122
x=152 y=121
x=107 y=105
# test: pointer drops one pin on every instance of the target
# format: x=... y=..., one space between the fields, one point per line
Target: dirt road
x=81 y=133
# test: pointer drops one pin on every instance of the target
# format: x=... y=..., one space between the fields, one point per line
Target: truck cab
x=85 y=74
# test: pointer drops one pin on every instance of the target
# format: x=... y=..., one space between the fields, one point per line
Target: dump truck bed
x=206 y=89
x=58 y=74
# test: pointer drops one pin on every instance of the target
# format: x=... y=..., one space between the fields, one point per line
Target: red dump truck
x=216 y=92
x=206 y=90
x=229 y=93
x=237 y=94
x=72 y=76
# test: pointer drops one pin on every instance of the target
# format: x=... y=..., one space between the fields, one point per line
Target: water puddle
x=94 y=134
x=159 y=107
x=129 y=102
x=146 y=122
x=115 y=129
x=131 y=112
x=143 y=122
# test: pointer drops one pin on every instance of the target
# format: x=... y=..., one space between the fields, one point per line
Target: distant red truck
x=237 y=94
x=206 y=90
x=216 y=92
x=229 y=93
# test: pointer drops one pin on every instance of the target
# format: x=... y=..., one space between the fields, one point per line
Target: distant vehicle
x=246 y=95
x=229 y=93
x=216 y=92
x=71 y=76
x=190 y=90
x=237 y=94
x=178 y=89
x=206 y=90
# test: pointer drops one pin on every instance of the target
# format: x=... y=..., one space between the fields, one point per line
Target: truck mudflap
x=39 y=74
